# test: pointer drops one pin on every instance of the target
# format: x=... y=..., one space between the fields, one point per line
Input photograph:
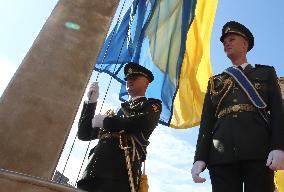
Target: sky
x=170 y=154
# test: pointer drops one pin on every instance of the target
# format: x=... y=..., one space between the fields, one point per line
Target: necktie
x=240 y=68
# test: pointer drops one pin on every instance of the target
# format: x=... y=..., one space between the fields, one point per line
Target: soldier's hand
x=98 y=121
x=197 y=168
x=275 y=160
x=93 y=93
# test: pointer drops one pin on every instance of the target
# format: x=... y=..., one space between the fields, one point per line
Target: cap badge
x=227 y=29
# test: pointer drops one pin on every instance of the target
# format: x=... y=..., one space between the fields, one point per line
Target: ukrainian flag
x=196 y=67
x=172 y=39
x=279 y=180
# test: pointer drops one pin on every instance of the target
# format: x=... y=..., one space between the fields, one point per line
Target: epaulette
x=259 y=65
x=220 y=74
x=211 y=78
x=155 y=100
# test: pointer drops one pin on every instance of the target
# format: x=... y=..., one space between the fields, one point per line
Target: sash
x=246 y=85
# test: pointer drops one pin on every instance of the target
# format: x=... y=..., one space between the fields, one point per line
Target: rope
x=128 y=163
x=103 y=102
x=111 y=37
x=69 y=154
x=74 y=140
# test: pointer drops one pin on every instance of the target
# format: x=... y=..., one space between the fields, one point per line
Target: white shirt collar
x=134 y=98
x=244 y=65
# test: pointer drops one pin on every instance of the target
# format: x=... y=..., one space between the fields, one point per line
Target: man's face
x=136 y=85
x=235 y=45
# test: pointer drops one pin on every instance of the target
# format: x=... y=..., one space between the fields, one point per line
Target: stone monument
x=39 y=104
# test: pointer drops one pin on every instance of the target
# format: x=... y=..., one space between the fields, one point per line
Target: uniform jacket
x=240 y=135
x=137 y=118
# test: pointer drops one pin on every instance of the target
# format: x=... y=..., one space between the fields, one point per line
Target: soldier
x=115 y=162
x=241 y=135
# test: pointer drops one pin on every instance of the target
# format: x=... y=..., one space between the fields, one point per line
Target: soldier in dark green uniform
x=241 y=136
x=115 y=162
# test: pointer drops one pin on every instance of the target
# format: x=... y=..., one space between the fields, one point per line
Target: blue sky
x=171 y=151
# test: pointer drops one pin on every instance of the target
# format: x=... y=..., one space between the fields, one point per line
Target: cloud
x=7 y=70
x=164 y=145
x=169 y=162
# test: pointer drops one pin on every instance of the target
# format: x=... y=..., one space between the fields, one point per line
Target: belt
x=109 y=135
x=235 y=109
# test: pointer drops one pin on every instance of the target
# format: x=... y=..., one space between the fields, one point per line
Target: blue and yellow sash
x=246 y=85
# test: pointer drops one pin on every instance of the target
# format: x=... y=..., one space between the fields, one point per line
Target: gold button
x=235 y=100
x=236 y=108
x=235 y=116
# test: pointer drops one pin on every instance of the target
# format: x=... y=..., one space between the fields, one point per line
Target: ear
x=147 y=82
x=246 y=44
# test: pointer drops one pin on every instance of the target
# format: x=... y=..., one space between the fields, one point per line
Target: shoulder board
x=155 y=100
x=219 y=75
x=264 y=67
x=259 y=65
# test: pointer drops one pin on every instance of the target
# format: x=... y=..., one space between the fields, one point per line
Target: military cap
x=239 y=29
x=132 y=69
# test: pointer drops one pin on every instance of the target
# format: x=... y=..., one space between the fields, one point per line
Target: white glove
x=275 y=160
x=196 y=169
x=98 y=120
x=93 y=93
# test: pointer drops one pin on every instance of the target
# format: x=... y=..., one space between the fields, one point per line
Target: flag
x=172 y=39
x=196 y=68
x=279 y=180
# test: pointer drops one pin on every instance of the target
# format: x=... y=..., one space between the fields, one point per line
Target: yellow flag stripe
x=196 y=68
x=279 y=180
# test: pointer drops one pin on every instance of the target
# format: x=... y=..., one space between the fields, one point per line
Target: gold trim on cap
x=138 y=73
x=237 y=32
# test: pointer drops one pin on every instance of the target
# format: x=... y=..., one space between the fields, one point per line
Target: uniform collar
x=133 y=102
x=244 y=65
x=247 y=68
x=135 y=98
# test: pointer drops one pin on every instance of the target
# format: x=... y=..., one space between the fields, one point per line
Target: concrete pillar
x=38 y=106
